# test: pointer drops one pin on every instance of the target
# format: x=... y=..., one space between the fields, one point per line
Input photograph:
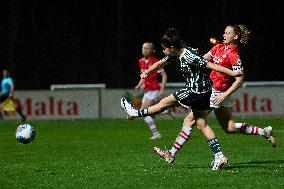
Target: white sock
x=151 y=124
x=246 y=129
x=182 y=138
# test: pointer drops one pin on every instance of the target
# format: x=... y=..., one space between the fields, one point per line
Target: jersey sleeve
x=154 y=60
x=10 y=82
x=235 y=61
x=170 y=59
x=213 y=50
x=200 y=61
x=194 y=58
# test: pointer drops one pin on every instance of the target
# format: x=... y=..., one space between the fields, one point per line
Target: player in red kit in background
x=227 y=55
x=153 y=91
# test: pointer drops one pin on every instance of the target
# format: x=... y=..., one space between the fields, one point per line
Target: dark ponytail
x=171 y=39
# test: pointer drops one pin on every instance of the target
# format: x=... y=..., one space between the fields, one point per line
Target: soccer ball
x=25 y=133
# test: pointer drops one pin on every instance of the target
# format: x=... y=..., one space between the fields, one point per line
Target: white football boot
x=156 y=136
x=165 y=154
x=127 y=107
x=270 y=136
x=219 y=162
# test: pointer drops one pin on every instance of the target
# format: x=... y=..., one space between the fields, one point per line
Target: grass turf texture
x=119 y=154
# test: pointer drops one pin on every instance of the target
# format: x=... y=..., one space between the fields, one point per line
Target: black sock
x=143 y=112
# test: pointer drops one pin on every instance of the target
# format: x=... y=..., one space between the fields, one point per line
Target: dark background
x=87 y=41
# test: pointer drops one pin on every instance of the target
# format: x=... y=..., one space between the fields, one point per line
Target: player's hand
x=144 y=74
x=219 y=98
x=137 y=87
x=238 y=73
x=11 y=95
x=162 y=93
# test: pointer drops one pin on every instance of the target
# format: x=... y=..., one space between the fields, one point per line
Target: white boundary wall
x=67 y=104
x=105 y=103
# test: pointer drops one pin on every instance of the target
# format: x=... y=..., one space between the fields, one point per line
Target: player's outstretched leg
x=266 y=132
x=132 y=112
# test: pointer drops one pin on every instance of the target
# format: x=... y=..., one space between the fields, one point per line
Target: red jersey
x=228 y=57
x=151 y=82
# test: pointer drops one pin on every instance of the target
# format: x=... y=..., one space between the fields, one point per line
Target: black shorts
x=186 y=98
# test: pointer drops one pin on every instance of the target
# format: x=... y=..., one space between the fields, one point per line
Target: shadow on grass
x=250 y=164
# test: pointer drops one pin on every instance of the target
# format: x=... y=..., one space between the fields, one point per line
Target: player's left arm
x=235 y=73
x=236 y=84
x=236 y=65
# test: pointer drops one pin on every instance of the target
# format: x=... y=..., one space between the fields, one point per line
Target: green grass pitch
x=119 y=154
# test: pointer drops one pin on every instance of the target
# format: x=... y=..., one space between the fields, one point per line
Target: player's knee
x=201 y=123
x=202 y=126
x=230 y=130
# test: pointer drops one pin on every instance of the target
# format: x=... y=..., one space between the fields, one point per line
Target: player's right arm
x=207 y=56
x=222 y=69
x=156 y=66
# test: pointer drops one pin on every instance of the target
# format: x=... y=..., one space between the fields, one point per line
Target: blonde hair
x=243 y=32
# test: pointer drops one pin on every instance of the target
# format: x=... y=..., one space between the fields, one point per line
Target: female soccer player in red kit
x=153 y=91
x=227 y=55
